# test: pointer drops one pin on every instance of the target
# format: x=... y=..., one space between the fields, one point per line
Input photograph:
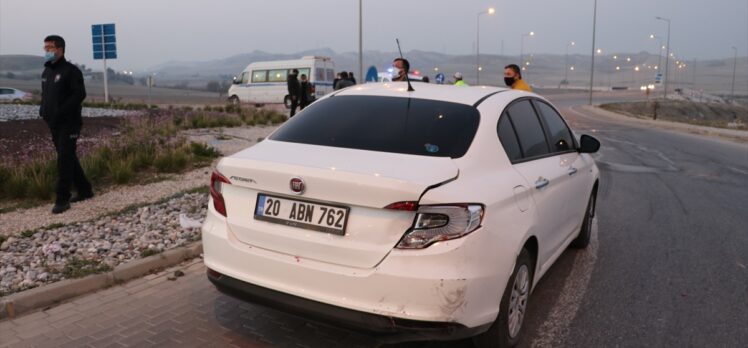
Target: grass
x=696 y=113
x=148 y=252
x=79 y=268
x=3 y=238
x=146 y=146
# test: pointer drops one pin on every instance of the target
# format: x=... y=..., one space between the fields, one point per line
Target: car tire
x=234 y=100
x=506 y=330
x=585 y=232
x=287 y=102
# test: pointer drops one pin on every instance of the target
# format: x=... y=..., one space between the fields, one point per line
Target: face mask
x=49 y=56
x=509 y=81
x=395 y=71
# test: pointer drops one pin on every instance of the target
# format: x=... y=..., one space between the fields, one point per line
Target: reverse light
x=443 y=222
x=216 y=191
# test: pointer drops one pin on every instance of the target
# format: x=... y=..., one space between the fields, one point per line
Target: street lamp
x=490 y=11
x=667 y=61
x=659 y=56
x=592 y=66
x=522 y=45
x=566 y=63
x=734 y=66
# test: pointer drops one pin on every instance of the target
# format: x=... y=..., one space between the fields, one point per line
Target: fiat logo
x=297 y=185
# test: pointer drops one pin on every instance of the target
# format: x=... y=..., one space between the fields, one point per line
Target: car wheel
x=234 y=100
x=506 y=330
x=585 y=232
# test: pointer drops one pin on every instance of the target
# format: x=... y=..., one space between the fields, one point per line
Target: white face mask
x=395 y=71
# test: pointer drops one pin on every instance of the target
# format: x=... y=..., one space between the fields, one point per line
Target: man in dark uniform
x=293 y=90
x=62 y=97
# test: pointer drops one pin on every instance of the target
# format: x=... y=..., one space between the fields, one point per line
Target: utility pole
x=667 y=56
x=592 y=66
x=734 y=67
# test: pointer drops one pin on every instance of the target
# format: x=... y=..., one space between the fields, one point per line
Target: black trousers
x=69 y=171
x=294 y=105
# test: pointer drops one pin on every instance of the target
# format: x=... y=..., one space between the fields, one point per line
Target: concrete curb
x=50 y=294
x=728 y=134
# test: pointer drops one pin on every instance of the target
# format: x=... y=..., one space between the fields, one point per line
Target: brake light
x=405 y=206
x=441 y=222
x=216 y=191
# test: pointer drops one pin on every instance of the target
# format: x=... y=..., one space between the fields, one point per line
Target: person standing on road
x=458 y=80
x=293 y=90
x=305 y=92
x=513 y=78
x=335 y=82
x=345 y=81
x=350 y=77
x=400 y=69
x=63 y=92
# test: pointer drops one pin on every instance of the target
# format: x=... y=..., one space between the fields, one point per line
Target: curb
x=50 y=294
x=739 y=136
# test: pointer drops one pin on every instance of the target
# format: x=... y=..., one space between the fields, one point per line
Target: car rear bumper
x=387 y=328
x=444 y=291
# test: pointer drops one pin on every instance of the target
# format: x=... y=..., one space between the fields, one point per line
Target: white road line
x=555 y=328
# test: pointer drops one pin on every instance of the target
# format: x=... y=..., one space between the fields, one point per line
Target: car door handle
x=542 y=182
x=572 y=171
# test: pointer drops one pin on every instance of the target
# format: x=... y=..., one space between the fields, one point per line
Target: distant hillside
x=21 y=63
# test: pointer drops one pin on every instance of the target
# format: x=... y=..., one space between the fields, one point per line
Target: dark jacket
x=63 y=93
x=343 y=83
x=305 y=92
x=293 y=85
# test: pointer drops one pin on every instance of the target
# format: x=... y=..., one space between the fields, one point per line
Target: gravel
x=10 y=112
x=49 y=255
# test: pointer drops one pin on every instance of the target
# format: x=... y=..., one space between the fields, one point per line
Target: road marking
x=555 y=328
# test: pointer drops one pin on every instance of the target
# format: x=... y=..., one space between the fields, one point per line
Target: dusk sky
x=157 y=31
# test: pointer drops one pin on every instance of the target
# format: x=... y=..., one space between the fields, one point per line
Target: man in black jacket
x=63 y=92
x=293 y=90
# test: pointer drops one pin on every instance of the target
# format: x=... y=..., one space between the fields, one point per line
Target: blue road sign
x=104 y=41
x=372 y=75
x=439 y=79
x=658 y=77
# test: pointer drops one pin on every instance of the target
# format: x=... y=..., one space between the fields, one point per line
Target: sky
x=156 y=31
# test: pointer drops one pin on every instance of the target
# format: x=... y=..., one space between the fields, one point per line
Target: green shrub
x=121 y=170
x=203 y=150
x=171 y=161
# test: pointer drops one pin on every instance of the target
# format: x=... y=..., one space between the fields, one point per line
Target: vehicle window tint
x=6 y=91
x=389 y=124
x=330 y=74
x=320 y=74
x=560 y=135
x=259 y=76
x=528 y=128
x=278 y=75
x=509 y=139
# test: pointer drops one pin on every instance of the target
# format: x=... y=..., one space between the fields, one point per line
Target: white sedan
x=420 y=215
x=8 y=94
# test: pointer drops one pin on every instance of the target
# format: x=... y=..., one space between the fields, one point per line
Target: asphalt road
x=667 y=265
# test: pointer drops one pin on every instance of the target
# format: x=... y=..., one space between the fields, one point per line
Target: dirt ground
x=28 y=139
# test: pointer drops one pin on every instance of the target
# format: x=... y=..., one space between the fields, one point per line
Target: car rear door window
x=558 y=132
x=508 y=138
x=528 y=128
x=388 y=124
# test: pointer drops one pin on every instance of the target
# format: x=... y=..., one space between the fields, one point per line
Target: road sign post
x=104 y=47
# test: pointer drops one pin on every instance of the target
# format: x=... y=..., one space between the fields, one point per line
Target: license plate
x=302 y=214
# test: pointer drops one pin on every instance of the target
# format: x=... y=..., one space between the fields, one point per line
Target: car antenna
x=407 y=78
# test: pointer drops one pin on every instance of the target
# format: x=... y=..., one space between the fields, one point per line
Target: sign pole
x=103 y=52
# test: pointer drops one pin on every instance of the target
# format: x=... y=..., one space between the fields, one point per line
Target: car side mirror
x=588 y=144
x=236 y=82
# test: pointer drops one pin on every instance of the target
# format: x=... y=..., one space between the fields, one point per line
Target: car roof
x=456 y=94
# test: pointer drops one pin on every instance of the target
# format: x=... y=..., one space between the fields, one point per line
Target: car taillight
x=441 y=222
x=216 y=191
x=406 y=206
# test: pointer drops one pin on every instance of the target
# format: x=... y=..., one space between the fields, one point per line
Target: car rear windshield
x=388 y=124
